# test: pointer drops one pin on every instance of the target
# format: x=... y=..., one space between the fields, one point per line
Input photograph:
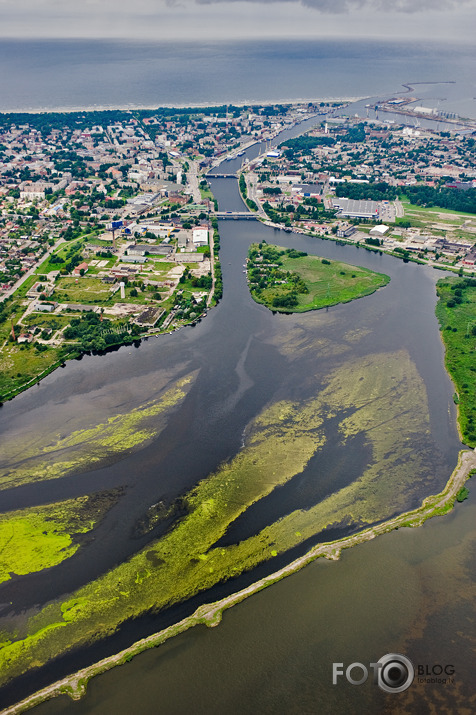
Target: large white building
x=379 y=231
x=356 y=209
x=200 y=236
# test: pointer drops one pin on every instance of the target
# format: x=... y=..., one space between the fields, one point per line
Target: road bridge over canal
x=237 y=215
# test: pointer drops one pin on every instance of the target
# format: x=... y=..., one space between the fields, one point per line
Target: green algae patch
x=86 y=449
x=390 y=408
x=290 y=281
x=210 y=614
x=40 y=537
x=380 y=396
x=279 y=444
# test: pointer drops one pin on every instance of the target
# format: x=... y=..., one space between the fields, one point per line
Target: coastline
x=175 y=105
x=210 y=614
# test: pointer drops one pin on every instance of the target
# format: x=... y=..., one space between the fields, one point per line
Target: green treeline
x=264 y=271
x=443 y=197
x=304 y=144
x=45 y=121
x=93 y=334
x=218 y=293
x=355 y=134
x=380 y=191
x=456 y=312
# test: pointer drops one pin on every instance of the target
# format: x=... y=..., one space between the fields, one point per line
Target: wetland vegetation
x=64 y=454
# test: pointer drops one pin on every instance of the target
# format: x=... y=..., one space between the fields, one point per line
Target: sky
x=453 y=20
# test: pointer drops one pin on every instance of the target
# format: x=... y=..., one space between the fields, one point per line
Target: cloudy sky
x=205 y=19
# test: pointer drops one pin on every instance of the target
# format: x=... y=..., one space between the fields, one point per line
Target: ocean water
x=66 y=74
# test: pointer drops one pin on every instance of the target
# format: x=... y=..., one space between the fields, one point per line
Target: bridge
x=220 y=176
x=237 y=215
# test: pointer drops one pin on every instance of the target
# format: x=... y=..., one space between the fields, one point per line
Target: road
x=192 y=181
x=29 y=273
x=399 y=211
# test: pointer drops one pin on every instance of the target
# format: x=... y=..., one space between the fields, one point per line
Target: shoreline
x=210 y=614
x=197 y=105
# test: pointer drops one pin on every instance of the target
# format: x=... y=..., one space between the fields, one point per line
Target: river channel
x=384 y=457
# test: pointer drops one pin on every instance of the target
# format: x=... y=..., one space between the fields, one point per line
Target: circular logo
x=395 y=674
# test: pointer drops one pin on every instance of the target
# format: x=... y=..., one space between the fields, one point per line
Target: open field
x=334 y=283
x=21 y=365
x=83 y=289
x=440 y=220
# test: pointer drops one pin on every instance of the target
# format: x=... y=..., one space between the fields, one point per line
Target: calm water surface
x=69 y=74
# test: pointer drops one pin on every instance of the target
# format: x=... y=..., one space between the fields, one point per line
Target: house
x=149 y=317
x=37 y=289
x=189 y=257
x=82 y=267
x=25 y=338
x=45 y=307
x=470 y=259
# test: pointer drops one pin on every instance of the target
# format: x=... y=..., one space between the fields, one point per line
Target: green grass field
x=21 y=364
x=83 y=289
x=328 y=283
x=436 y=214
x=458 y=325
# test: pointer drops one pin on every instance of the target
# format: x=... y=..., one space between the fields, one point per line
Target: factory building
x=356 y=209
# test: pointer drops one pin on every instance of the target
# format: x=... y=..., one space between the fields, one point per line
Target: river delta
x=259 y=442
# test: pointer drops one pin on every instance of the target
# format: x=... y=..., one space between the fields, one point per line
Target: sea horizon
x=77 y=75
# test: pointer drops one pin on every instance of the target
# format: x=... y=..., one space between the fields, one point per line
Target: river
x=274 y=653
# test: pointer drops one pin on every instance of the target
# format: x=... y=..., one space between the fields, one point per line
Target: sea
x=44 y=75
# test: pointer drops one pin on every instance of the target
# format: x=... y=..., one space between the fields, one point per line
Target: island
x=290 y=281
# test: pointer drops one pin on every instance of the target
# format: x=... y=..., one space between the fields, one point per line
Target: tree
x=133 y=293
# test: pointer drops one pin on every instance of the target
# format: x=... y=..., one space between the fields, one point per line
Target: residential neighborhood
x=406 y=190
x=109 y=230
